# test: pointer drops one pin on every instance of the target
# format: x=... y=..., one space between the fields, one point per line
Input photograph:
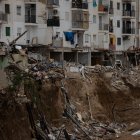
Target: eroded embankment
x=96 y=99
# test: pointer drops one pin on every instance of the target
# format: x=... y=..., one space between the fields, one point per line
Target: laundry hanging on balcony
x=69 y=36
x=94 y=3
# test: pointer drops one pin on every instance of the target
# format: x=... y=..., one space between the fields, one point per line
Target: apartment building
x=81 y=31
x=17 y=16
x=69 y=20
x=95 y=26
x=117 y=29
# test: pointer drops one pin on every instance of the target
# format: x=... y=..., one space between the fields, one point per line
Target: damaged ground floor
x=87 y=57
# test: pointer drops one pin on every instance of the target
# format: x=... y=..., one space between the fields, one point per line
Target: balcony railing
x=3 y=17
x=130 y=13
x=103 y=8
x=80 y=6
x=30 y=19
x=80 y=24
x=128 y=31
x=53 y=2
x=103 y=27
x=53 y=22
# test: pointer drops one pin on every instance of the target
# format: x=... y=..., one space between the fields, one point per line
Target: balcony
x=103 y=9
x=53 y=22
x=103 y=27
x=80 y=20
x=3 y=17
x=80 y=25
x=129 y=14
x=52 y=3
x=79 y=5
x=31 y=20
x=128 y=31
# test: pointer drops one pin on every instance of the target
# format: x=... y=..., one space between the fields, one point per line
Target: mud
x=107 y=105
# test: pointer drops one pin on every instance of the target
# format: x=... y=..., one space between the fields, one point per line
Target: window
x=7 y=8
x=18 y=31
x=94 y=18
x=118 y=6
x=118 y=23
x=7 y=30
x=111 y=4
x=18 y=10
x=118 y=41
x=94 y=38
x=86 y=38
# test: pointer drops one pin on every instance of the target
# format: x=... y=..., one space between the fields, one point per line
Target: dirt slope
x=95 y=98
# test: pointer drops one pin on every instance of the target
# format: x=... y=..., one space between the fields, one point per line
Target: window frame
x=118 y=23
x=7 y=8
x=119 y=41
x=118 y=6
x=7 y=31
x=19 y=12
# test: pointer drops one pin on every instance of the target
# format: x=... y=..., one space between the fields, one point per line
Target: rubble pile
x=122 y=78
x=59 y=107
x=98 y=69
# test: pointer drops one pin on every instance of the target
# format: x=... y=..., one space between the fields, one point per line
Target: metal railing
x=128 y=31
x=130 y=13
x=30 y=19
x=80 y=6
x=103 y=27
x=80 y=24
x=53 y=22
x=103 y=8
x=53 y=2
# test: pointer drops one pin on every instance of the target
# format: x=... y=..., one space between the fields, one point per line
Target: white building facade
x=96 y=24
x=76 y=29
x=18 y=16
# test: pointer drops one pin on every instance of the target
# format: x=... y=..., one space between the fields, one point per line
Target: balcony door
x=100 y=23
x=30 y=13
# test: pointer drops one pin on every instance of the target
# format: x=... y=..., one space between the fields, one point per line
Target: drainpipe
x=137 y=24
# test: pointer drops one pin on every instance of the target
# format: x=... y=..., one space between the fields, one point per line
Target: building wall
x=15 y=21
x=96 y=38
